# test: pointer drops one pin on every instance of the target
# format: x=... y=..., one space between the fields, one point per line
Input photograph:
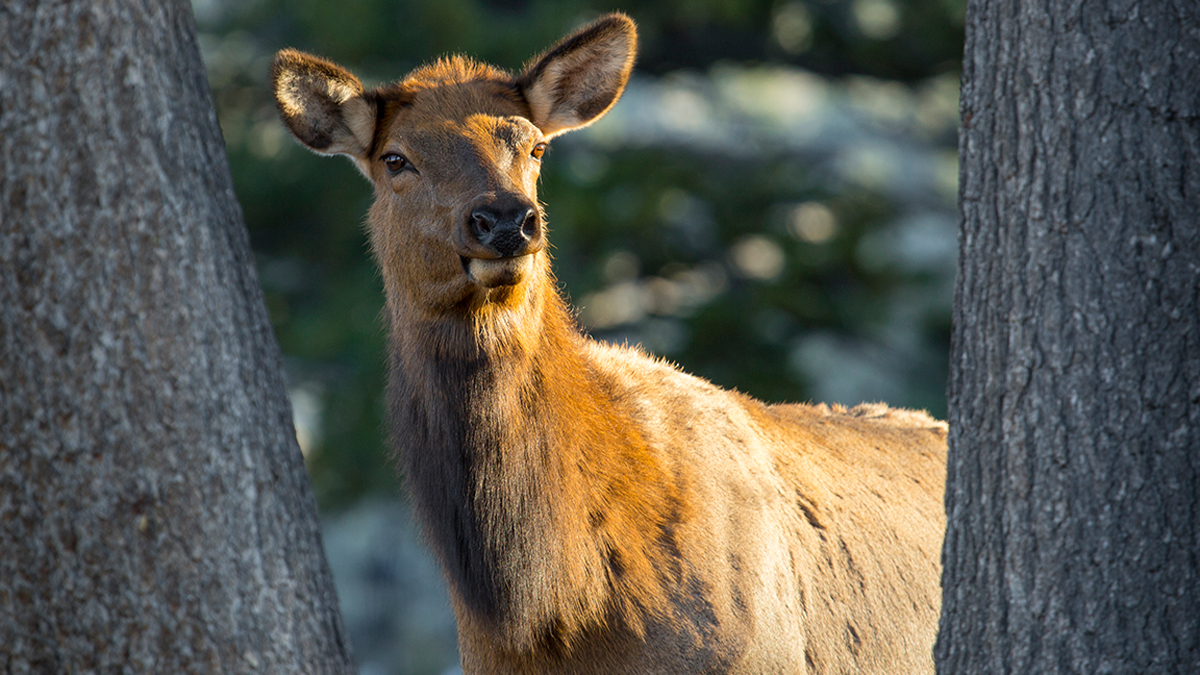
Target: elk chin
x=499 y=272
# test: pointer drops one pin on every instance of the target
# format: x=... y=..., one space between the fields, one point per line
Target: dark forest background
x=771 y=205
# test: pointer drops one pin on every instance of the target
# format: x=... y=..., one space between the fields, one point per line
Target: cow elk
x=594 y=509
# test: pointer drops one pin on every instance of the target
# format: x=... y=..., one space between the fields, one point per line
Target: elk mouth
x=497 y=272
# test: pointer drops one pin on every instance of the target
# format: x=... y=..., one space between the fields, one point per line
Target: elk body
x=596 y=510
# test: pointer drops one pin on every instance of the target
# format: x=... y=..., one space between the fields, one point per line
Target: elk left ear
x=580 y=78
x=322 y=104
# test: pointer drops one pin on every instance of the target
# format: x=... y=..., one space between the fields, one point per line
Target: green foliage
x=756 y=264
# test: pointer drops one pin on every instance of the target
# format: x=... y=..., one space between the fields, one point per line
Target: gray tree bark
x=1073 y=490
x=155 y=512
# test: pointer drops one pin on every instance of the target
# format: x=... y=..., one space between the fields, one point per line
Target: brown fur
x=596 y=510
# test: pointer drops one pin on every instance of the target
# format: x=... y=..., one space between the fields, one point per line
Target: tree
x=155 y=513
x=1074 y=395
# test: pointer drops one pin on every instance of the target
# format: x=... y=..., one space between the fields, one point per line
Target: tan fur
x=596 y=510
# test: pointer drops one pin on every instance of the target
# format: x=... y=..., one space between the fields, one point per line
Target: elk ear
x=579 y=79
x=322 y=104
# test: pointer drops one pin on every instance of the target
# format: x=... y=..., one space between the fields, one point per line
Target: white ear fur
x=322 y=104
x=580 y=78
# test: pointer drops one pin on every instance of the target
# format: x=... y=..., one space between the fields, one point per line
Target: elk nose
x=505 y=227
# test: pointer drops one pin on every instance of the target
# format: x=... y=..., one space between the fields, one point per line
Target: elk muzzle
x=499 y=236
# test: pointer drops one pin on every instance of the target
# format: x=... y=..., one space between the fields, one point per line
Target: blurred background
x=771 y=206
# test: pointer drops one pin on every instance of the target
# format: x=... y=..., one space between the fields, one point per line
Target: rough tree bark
x=1073 y=491
x=155 y=513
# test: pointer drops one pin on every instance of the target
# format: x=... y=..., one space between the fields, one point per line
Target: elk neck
x=529 y=474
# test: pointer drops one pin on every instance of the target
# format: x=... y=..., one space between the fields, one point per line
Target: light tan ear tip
x=301 y=63
x=287 y=62
x=621 y=19
x=288 y=59
x=289 y=54
x=620 y=23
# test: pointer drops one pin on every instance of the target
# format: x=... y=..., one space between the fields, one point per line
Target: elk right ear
x=322 y=104
x=580 y=78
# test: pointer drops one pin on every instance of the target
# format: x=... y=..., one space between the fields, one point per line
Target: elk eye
x=539 y=150
x=395 y=163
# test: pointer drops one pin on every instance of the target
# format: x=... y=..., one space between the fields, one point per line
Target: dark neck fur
x=486 y=448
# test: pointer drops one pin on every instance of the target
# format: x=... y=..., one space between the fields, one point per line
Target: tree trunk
x=155 y=512
x=1073 y=492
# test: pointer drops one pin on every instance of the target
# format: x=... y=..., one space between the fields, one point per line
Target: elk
x=595 y=509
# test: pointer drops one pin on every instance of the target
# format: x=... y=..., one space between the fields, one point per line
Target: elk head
x=454 y=152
